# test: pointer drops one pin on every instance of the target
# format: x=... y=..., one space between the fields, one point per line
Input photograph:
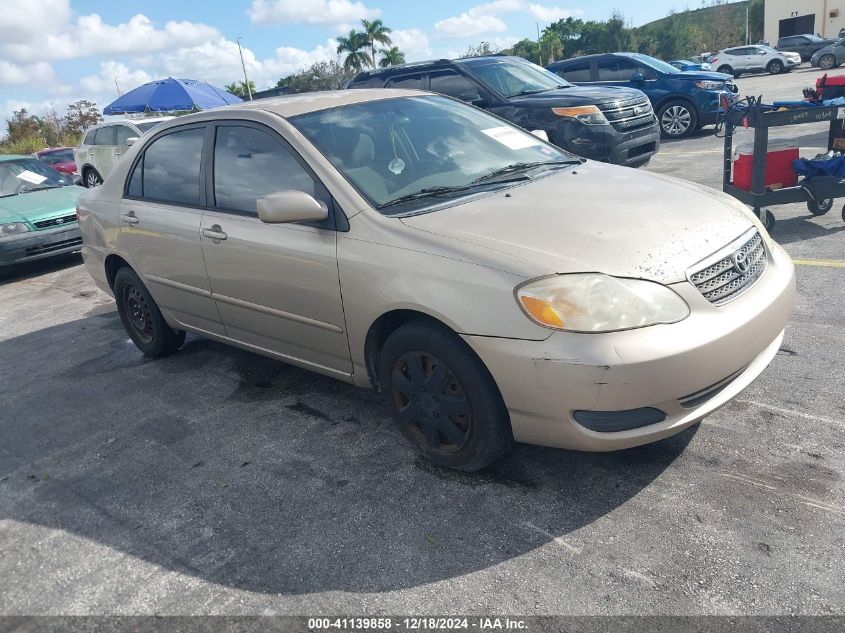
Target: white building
x=796 y=17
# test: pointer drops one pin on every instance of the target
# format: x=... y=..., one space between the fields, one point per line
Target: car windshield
x=814 y=38
x=407 y=153
x=28 y=174
x=657 y=64
x=58 y=156
x=512 y=78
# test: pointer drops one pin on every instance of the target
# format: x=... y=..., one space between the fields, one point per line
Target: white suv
x=102 y=146
x=752 y=59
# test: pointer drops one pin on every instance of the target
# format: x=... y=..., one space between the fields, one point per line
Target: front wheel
x=775 y=67
x=768 y=220
x=677 y=119
x=826 y=62
x=442 y=397
x=141 y=317
x=819 y=207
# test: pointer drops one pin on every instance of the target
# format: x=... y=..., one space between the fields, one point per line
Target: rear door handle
x=215 y=233
x=129 y=217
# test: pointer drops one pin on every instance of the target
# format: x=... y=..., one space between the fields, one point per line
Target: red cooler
x=779 y=172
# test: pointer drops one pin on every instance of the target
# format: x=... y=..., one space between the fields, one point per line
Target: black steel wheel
x=819 y=207
x=442 y=397
x=141 y=317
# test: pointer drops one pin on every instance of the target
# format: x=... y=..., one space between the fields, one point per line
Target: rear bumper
x=27 y=247
x=678 y=369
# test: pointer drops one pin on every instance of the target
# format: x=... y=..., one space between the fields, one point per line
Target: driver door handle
x=129 y=217
x=215 y=233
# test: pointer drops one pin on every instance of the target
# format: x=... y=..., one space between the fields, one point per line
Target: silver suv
x=753 y=59
x=103 y=145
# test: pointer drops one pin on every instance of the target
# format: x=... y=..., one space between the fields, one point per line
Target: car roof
x=132 y=121
x=7 y=157
x=292 y=105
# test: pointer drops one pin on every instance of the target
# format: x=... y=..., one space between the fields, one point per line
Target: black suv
x=804 y=45
x=615 y=125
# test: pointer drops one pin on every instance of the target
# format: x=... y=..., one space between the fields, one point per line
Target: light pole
x=246 y=81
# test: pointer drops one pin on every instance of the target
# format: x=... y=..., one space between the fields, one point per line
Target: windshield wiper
x=431 y=192
x=42 y=188
x=531 y=92
x=525 y=167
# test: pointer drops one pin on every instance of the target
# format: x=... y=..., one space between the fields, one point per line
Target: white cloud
x=331 y=12
x=91 y=36
x=111 y=72
x=413 y=42
x=483 y=18
x=24 y=74
x=28 y=20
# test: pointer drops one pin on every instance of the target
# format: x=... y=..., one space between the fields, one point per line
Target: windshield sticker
x=31 y=176
x=511 y=138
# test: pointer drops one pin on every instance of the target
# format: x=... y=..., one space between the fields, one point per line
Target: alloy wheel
x=775 y=68
x=138 y=313
x=92 y=179
x=431 y=402
x=676 y=120
x=827 y=62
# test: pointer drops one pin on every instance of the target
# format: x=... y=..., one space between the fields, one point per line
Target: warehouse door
x=798 y=26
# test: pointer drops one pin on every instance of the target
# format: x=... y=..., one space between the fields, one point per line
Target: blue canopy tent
x=169 y=95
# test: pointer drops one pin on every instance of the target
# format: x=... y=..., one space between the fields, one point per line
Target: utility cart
x=819 y=192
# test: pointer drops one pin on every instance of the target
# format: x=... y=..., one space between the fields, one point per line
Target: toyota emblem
x=741 y=262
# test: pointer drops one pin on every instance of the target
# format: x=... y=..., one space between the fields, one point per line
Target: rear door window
x=451 y=83
x=576 y=72
x=171 y=168
x=89 y=137
x=250 y=163
x=616 y=70
x=409 y=82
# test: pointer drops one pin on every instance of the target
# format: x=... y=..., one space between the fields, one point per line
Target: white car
x=103 y=145
x=753 y=59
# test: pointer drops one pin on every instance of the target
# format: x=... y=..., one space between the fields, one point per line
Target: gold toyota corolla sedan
x=492 y=286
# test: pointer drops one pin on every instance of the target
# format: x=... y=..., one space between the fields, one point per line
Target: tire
x=775 y=67
x=826 y=62
x=677 y=119
x=821 y=207
x=141 y=317
x=725 y=69
x=443 y=398
x=843 y=213
x=769 y=221
x=91 y=178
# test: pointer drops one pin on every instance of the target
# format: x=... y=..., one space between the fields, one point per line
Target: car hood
x=598 y=217
x=39 y=205
x=698 y=75
x=576 y=96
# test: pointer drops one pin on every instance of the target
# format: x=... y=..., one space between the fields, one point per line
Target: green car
x=37 y=211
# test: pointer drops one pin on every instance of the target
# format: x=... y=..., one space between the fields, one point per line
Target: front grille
x=731 y=272
x=55 y=246
x=46 y=224
x=629 y=114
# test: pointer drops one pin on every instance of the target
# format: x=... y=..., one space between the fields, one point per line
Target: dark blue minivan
x=685 y=101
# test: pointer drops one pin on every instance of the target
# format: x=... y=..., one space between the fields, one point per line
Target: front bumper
x=665 y=367
x=605 y=143
x=715 y=106
x=27 y=247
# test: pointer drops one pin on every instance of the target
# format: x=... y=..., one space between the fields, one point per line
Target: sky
x=53 y=52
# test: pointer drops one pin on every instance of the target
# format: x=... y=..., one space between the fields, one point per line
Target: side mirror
x=471 y=96
x=131 y=141
x=638 y=76
x=541 y=134
x=290 y=206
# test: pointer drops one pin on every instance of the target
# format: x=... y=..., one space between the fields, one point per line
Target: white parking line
x=549 y=535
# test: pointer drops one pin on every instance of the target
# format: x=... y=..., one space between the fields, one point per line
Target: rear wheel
x=677 y=119
x=724 y=68
x=819 y=207
x=92 y=178
x=142 y=318
x=826 y=62
x=443 y=398
x=775 y=67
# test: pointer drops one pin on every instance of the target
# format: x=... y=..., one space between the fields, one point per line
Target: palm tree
x=353 y=45
x=238 y=88
x=391 y=57
x=376 y=33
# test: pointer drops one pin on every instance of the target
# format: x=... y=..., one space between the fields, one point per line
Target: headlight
x=13 y=228
x=710 y=85
x=593 y=302
x=589 y=115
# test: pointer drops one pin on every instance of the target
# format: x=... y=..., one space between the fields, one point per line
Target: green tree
x=326 y=75
x=550 y=48
x=391 y=57
x=527 y=49
x=238 y=88
x=376 y=32
x=80 y=116
x=481 y=49
x=353 y=46
x=22 y=125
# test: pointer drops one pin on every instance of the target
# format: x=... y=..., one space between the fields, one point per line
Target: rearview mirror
x=131 y=140
x=541 y=134
x=638 y=77
x=471 y=96
x=290 y=206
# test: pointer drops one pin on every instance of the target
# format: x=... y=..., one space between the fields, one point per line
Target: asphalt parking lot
x=219 y=482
